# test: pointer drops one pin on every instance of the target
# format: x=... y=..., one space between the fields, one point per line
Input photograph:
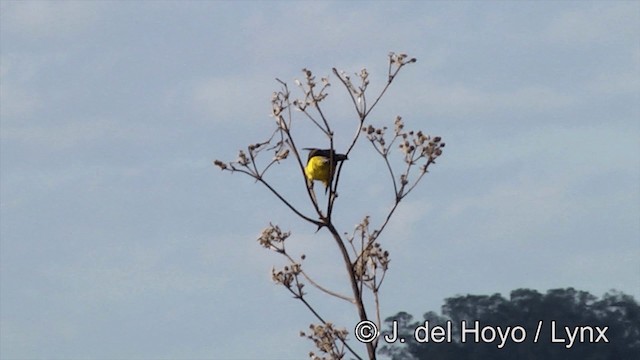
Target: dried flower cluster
x=222 y=165
x=400 y=59
x=279 y=102
x=289 y=277
x=357 y=92
x=326 y=338
x=370 y=260
x=415 y=146
x=246 y=161
x=311 y=97
x=396 y=62
x=272 y=237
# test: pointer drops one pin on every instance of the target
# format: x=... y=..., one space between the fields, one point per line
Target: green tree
x=619 y=313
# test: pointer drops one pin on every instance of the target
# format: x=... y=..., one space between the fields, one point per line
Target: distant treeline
x=563 y=324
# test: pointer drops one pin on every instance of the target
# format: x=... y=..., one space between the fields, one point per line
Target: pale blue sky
x=120 y=240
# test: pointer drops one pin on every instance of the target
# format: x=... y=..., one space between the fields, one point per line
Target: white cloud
x=116 y=273
x=461 y=100
x=597 y=22
x=619 y=83
x=513 y=211
x=68 y=134
x=556 y=178
x=239 y=98
x=17 y=102
x=603 y=276
x=291 y=35
x=581 y=150
x=46 y=19
x=18 y=98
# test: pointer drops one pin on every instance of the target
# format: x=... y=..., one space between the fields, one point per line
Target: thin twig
x=318 y=286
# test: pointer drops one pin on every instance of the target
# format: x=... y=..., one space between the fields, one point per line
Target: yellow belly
x=318 y=169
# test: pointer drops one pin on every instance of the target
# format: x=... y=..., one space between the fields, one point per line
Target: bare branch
x=368 y=269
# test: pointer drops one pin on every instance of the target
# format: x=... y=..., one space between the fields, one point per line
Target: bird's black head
x=326 y=153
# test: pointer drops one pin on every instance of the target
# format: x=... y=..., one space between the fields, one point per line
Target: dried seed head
x=364 y=74
x=272 y=236
x=283 y=154
x=242 y=158
x=220 y=164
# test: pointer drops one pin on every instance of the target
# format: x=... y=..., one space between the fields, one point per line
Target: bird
x=321 y=165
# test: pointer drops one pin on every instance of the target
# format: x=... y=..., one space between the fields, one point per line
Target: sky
x=121 y=240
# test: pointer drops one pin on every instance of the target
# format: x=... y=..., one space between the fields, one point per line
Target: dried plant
x=365 y=261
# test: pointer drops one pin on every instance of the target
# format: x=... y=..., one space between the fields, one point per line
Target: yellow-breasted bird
x=321 y=165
